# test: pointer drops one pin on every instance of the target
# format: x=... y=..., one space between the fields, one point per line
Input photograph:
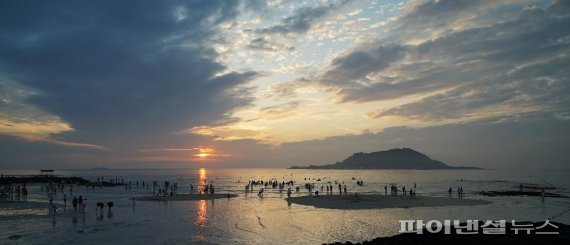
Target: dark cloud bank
x=121 y=66
x=124 y=74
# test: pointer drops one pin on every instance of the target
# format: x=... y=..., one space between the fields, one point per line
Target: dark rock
x=467 y=239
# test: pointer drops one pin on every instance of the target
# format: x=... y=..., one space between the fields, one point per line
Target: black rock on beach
x=467 y=239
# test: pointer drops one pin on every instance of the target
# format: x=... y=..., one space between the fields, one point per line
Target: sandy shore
x=185 y=197
x=348 y=202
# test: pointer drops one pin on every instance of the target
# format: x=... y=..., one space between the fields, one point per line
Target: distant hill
x=400 y=158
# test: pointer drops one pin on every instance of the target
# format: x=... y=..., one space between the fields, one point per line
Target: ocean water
x=249 y=219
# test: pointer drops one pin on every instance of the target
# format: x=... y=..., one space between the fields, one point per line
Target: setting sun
x=202 y=155
x=204 y=152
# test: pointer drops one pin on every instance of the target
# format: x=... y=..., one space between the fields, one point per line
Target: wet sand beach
x=349 y=202
x=187 y=218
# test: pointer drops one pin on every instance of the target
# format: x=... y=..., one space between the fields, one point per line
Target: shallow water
x=271 y=220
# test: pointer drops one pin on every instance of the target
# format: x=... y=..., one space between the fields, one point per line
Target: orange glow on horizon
x=204 y=152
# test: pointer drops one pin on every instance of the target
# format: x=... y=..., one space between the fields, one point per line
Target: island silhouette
x=398 y=158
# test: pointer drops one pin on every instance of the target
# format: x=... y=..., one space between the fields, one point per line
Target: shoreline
x=350 y=202
x=44 y=179
x=185 y=197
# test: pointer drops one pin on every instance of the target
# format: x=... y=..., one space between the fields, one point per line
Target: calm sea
x=270 y=220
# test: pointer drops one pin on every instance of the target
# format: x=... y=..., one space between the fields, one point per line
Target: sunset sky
x=186 y=84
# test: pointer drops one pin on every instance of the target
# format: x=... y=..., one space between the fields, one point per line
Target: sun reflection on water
x=203 y=180
x=202 y=211
x=202 y=205
x=201 y=218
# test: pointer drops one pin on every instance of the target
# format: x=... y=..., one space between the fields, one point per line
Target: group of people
x=15 y=192
x=311 y=187
x=55 y=187
x=163 y=193
x=266 y=184
x=209 y=188
x=459 y=191
x=342 y=189
x=100 y=207
x=405 y=192
x=77 y=202
x=169 y=189
x=130 y=184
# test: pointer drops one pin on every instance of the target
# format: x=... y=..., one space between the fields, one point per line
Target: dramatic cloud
x=512 y=66
x=276 y=83
x=356 y=66
x=118 y=69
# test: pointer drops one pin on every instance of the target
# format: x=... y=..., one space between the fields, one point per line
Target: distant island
x=399 y=158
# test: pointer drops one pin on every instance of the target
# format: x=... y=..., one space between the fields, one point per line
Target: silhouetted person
x=74 y=202
x=110 y=205
x=99 y=208
x=50 y=197
x=84 y=204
